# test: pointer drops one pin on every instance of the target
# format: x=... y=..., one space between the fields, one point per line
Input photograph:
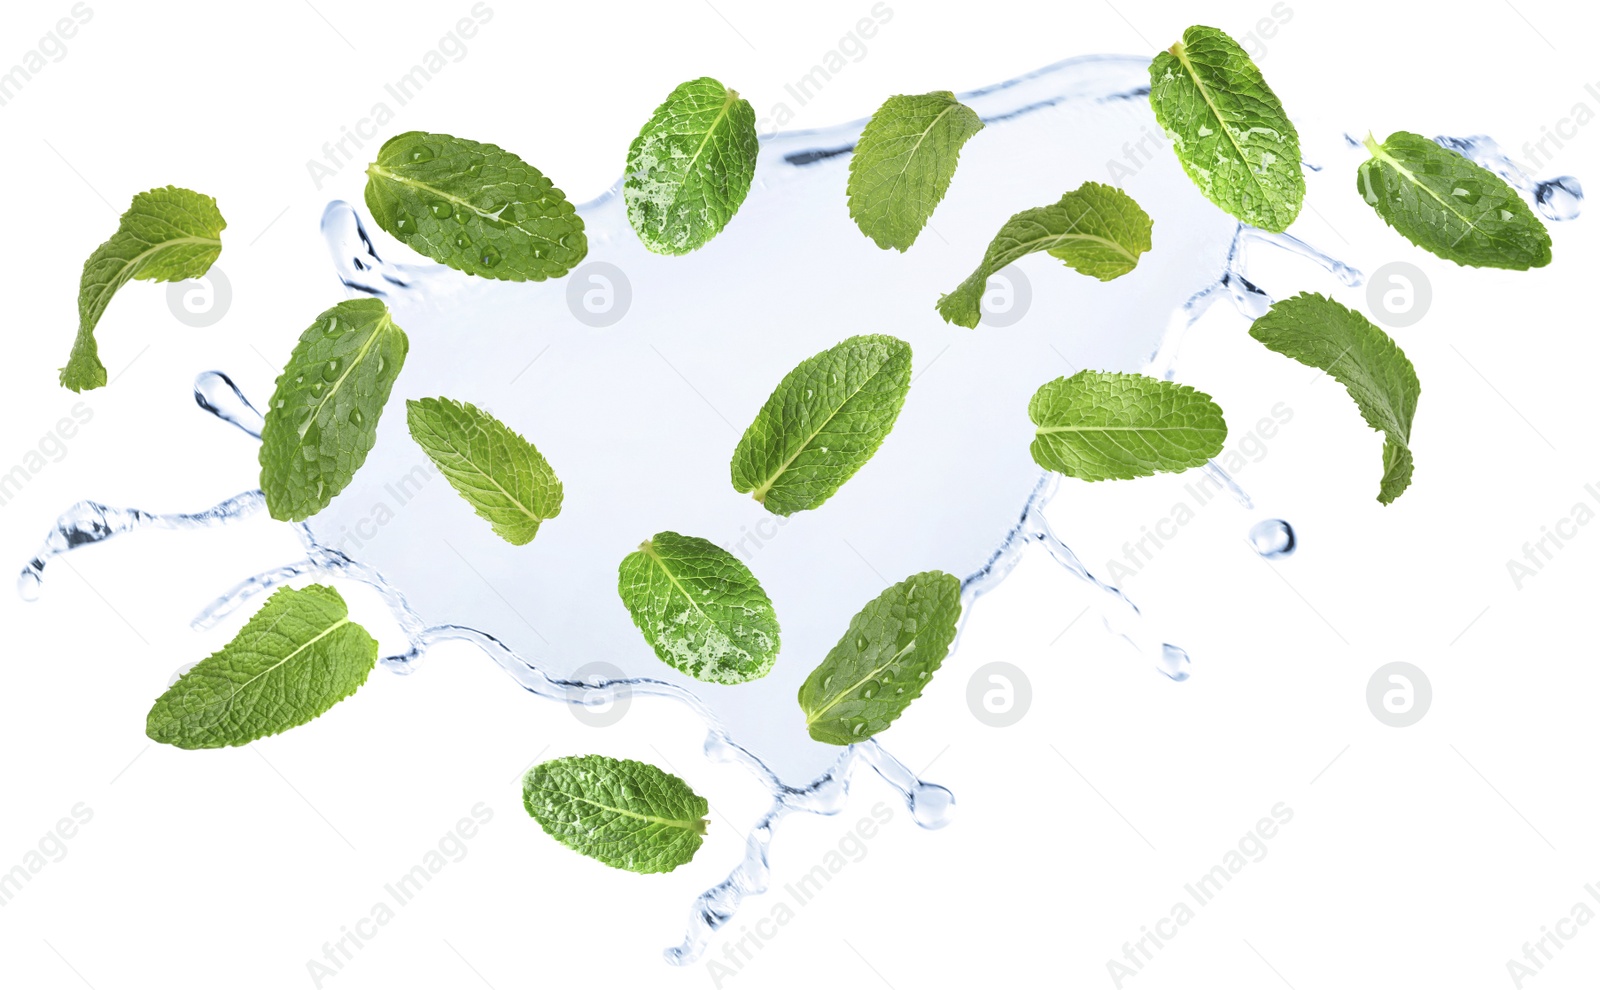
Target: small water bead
x=932 y=806
x=1272 y=538
x=30 y=580
x=490 y=257
x=356 y=417
x=330 y=370
x=441 y=210
x=870 y=690
x=421 y=153
x=1173 y=662
x=463 y=241
x=1466 y=191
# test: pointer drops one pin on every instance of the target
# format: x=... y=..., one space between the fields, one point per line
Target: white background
x=1425 y=855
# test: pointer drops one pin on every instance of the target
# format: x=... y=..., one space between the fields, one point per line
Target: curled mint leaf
x=1100 y=425
x=474 y=207
x=323 y=417
x=1095 y=229
x=1320 y=333
x=699 y=608
x=624 y=813
x=1228 y=129
x=823 y=423
x=167 y=235
x=1444 y=202
x=884 y=659
x=296 y=658
x=502 y=476
x=691 y=167
x=903 y=164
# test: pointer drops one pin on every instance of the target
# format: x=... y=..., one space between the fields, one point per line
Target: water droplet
x=932 y=806
x=421 y=153
x=858 y=729
x=1272 y=538
x=29 y=581
x=330 y=371
x=1174 y=662
x=826 y=680
x=463 y=241
x=490 y=257
x=1560 y=198
x=1467 y=191
x=356 y=417
x=870 y=690
x=440 y=209
x=861 y=642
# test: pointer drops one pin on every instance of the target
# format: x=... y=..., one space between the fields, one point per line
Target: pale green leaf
x=502 y=476
x=624 y=813
x=1096 y=229
x=296 y=658
x=1101 y=425
x=323 y=417
x=691 y=167
x=167 y=235
x=474 y=207
x=884 y=659
x=1443 y=202
x=699 y=608
x=903 y=164
x=1228 y=129
x=823 y=423
x=1320 y=333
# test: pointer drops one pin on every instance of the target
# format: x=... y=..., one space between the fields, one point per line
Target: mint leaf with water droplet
x=1099 y=425
x=903 y=164
x=699 y=608
x=691 y=167
x=884 y=659
x=323 y=417
x=1096 y=229
x=167 y=235
x=823 y=423
x=296 y=658
x=1320 y=333
x=1228 y=128
x=474 y=207
x=502 y=476
x=624 y=813
x=1444 y=202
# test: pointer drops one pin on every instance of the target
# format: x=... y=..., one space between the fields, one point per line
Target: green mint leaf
x=1444 y=202
x=474 y=207
x=167 y=235
x=1100 y=425
x=884 y=659
x=296 y=658
x=626 y=814
x=323 y=417
x=1096 y=229
x=1320 y=333
x=690 y=167
x=1228 y=128
x=502 y=476
x=699 y=608
x=903 y=164
x=822 y=423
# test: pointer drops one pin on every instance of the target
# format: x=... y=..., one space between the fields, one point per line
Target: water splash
x=1112 y=84
x=1559 y=198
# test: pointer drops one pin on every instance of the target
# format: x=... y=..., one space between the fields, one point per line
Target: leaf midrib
x=812 y=717
x=696 y=825
x=384 y=322
x=484 y=473
x=237 y=688
x=377 y=170
x=130 y=269
x=760 y=493
x=1381 y=153
x=1181 y=52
